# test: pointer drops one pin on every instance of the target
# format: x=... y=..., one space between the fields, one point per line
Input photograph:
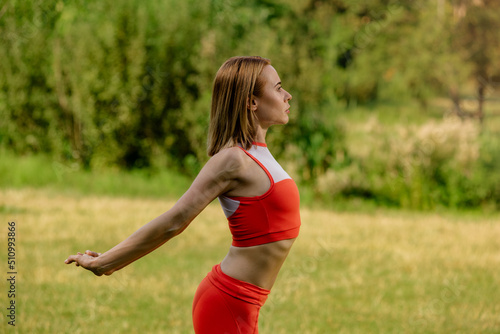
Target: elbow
x=178 y=230
x=180 y=223
x=172 y=231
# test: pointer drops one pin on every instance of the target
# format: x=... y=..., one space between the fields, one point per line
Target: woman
x=258 y=197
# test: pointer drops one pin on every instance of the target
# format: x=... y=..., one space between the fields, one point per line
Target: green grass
x=43 y=172
x=359 y=270
x=370 y=272
x=40 y=171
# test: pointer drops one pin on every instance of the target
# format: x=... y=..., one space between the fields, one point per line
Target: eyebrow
x=279 y=83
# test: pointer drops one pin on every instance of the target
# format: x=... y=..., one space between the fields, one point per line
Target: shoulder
x=221 y=173
x=234 y=153
x=230 y=160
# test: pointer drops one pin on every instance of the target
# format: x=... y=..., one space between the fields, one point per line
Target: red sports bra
x=270 y=217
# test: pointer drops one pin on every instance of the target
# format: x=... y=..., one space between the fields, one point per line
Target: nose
x=288 y=96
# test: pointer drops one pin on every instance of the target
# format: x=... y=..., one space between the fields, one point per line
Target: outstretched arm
x=219 y=175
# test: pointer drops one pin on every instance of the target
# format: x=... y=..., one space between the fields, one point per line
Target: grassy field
x=372 y=272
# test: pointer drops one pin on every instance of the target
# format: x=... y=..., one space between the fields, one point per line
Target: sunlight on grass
x=380 y=272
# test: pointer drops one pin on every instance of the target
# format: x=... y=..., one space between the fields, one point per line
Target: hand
x=86 y=261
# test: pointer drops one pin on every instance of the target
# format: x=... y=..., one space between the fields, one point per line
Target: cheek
x=277 y=99
x=272 y=101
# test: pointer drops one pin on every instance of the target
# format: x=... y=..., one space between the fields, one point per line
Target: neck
x=260 y=135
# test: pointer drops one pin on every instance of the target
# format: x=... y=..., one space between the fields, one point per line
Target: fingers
x=70 y=259
x=91 y=253
x=74 y=258
x=86 y=260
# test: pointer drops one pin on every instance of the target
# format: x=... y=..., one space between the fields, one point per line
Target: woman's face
x=272 y=107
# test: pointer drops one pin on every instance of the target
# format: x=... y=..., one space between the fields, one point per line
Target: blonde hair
x=231 y=123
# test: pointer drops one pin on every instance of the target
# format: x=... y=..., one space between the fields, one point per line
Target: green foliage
x=127 y=84
x=437 y=164
x=116 y=81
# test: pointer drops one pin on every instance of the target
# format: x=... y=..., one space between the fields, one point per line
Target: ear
x=252 y=103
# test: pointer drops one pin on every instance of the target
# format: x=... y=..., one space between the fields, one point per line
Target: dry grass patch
x=381 y=272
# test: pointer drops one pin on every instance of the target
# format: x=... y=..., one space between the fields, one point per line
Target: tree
x=477 y=37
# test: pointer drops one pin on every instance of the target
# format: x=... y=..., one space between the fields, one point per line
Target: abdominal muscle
x=258 y=265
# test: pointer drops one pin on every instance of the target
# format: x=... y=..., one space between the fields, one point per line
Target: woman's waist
x=258 y=265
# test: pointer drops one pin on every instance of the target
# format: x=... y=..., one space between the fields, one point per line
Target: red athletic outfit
x=223 y=304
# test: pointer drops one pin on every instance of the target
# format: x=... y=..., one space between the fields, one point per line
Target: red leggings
x=225 y=305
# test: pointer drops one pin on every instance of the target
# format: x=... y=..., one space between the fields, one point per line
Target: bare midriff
x=258 y=265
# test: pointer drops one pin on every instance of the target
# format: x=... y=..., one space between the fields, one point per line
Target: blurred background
x=395 y=124
x=395 y=103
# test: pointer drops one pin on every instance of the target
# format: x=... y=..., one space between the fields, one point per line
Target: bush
x=446 y=163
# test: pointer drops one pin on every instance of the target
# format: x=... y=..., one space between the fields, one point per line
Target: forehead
x=270 y=75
